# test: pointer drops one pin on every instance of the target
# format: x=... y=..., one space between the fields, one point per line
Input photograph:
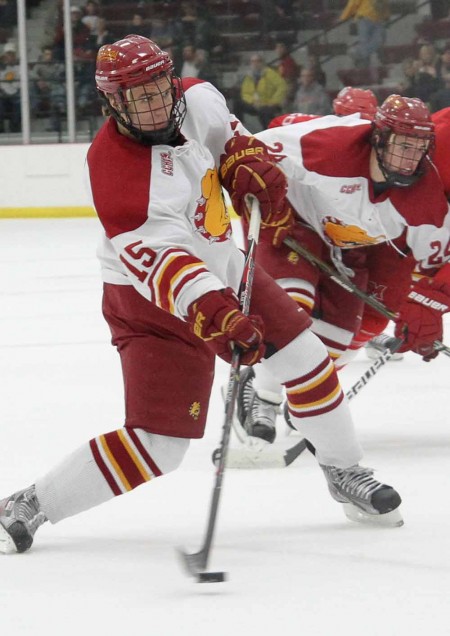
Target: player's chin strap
x=353 y=289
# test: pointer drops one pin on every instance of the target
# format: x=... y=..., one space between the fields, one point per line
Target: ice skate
x=20 y=517
x=364 y=498
x=378 y=345
x=257 y=416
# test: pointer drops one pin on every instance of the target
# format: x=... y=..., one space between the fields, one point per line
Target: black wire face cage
x=146 y=112
x=387 y=149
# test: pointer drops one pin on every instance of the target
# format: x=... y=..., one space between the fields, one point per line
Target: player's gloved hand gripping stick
x=196 y=563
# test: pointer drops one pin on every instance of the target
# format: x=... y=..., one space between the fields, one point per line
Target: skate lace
x=357 y=481
x=263 y=412
x=247 y=394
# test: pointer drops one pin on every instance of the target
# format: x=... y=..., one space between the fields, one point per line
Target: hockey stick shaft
x=374 y=368
x=198 y=561
x=351 y=287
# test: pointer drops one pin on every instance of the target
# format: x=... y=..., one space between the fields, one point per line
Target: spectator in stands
x=285 y=12
x=189 y=68
x=311 y=98
x=84 y=47
x=443 y=62
x=195 y=64
x=137 y=26
x=441 y=98
x=103 y=35
x=262 y=92
x=371 y=17
x=162 y=30
x=91 y=16
x=288 y=69
x=421 y=75
x=47 y=88
x=315 y=65
x=427 y=60
x=193 y=27
x=10 y=89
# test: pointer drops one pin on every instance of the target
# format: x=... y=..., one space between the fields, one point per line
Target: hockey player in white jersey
x=367 y=199
x=171 y=272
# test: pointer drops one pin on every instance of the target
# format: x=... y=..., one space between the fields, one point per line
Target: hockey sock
x=267 y=386
x=334 y=338
x=317 y=406
x=107 y=466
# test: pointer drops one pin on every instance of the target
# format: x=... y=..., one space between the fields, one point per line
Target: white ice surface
x=296 y=565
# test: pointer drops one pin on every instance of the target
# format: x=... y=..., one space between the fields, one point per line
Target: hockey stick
x=264 y=456
x=197 y=562
x=351 y=287
x=395 y=344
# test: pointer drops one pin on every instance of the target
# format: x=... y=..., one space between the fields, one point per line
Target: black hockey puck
x=212 y=577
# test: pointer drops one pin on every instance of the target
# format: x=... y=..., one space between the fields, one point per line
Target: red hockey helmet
x=136 y=61
x=351 y=100
x=405 y=116
x=400 y=122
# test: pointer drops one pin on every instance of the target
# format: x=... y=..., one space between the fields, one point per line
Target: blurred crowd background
x=268 y=57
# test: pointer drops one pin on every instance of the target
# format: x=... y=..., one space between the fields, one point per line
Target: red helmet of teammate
x=351 y=100
x=136 y=61
x=399 y=123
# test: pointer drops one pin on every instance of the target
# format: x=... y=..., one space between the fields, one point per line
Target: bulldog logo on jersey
x=211 y=216
x=348 y=236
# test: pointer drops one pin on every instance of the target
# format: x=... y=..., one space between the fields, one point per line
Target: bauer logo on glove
x=248 y=168
x=428 y=302
x=420 y=316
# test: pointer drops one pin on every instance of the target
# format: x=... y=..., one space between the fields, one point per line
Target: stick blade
x=193 y=564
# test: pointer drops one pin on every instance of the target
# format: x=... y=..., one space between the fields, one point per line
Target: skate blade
x=391 y=519
x=7 y=545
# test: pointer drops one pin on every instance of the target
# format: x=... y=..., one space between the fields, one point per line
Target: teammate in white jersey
x=353 y=184
x=171 y=272
x=441 y=120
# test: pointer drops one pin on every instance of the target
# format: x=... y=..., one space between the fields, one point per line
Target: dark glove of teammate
x=277 y=231
x=247 y=168
x=420 y=317
x=215 y=317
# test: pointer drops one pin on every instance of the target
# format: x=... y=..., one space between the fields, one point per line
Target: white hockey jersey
x=167 y=229
x=326 y=161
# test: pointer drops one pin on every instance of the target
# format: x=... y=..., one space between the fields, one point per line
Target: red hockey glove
x=420 y=317
x=216 y=318
x=247 y=168
x=276 y=232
